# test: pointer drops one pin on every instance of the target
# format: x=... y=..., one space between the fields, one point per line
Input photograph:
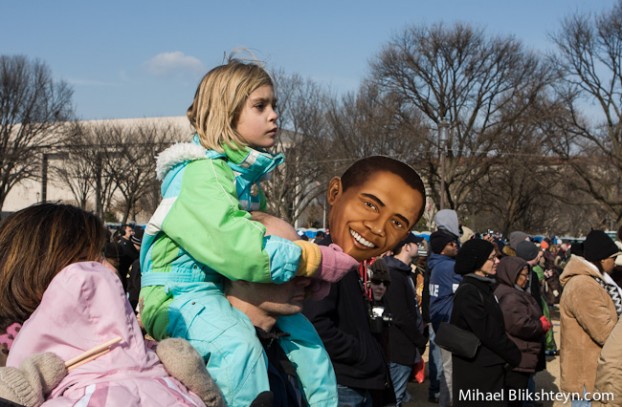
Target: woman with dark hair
x=55 y=281
x=479 y=380
x=589 y=310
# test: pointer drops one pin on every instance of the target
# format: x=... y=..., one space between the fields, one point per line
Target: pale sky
x=138 y=58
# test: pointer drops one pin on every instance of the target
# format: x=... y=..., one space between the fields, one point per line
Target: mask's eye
x=397 y=223
x=371 y=205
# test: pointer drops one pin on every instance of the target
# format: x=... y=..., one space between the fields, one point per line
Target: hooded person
x=589 y=310
x=522 y=317
x=447 y=220
x=528 y=251
x=476 y=310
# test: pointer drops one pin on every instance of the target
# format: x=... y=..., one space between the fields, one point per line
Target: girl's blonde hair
x=219 y=99
x=35 y=244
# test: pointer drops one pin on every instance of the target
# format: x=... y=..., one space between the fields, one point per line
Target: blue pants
x=227 y=341
x=399 y=376
x=349 y=397
x=435 y=366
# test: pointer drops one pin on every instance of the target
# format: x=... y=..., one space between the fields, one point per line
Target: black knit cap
x=598 y=245
x=440 y=239
x=472 y=256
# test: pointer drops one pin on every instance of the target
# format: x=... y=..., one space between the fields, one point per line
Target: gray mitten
x=35 y=378
x=185 y=364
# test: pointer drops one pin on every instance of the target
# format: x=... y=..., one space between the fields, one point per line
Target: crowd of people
x=218 y=303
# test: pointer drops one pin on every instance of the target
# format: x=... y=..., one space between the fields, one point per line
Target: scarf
x=613 y=292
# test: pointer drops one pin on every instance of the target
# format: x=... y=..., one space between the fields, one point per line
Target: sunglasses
x=378 y=282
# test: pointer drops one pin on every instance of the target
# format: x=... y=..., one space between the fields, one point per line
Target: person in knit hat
x=442 y=286
x=589 y=310
x=476 y=310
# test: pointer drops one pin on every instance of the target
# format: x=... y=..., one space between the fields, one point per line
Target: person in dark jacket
x=373 y=206
x=479 y=380
x=524 y=323
x=127 y=254
x=133 y=281
x=406 y=340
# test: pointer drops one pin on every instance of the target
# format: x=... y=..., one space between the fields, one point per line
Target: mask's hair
x=35 y=244
x=219 y=99
x=364 y=168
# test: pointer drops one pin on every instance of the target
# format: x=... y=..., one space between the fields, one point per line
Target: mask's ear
x=334 y=190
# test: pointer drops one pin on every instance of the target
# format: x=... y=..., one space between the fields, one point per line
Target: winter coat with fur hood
x=521 y=314
x=587 y=317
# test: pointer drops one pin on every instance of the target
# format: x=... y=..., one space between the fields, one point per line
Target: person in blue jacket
x=443 y=284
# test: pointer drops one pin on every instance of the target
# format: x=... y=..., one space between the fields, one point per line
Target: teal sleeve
x=207 y=222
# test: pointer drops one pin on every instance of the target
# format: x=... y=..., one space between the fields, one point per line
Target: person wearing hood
x=524 y=323
x=589 y=310
x=69 y=301
x=480 y=379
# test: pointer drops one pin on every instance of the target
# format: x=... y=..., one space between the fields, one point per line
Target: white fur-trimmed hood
x=176 y=154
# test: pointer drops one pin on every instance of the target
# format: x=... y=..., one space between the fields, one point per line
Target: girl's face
x=257 y=122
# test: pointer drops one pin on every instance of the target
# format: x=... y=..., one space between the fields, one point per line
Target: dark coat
x=405 y=336
x=341 y=319
x=521 y=314
x=476 y=310
x=127 y=255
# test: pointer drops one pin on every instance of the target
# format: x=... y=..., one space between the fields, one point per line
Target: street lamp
x=443 y=127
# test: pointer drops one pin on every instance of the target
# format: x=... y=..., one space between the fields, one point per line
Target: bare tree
x=128 y=158
x=589 y=55
x=33 y=111
x=479 y=86
x=78 y=170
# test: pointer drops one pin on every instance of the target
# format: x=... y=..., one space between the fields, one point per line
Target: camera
x=379 y=318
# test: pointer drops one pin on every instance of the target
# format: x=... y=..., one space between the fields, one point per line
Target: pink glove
x=546 y=324
x=335 y=264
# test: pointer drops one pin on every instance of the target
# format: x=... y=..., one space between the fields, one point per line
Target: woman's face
x=523 y=278
x=490 y=267
x=378 y=288
x=608 y=264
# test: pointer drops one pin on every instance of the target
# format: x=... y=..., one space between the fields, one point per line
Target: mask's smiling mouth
x=362 y=241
